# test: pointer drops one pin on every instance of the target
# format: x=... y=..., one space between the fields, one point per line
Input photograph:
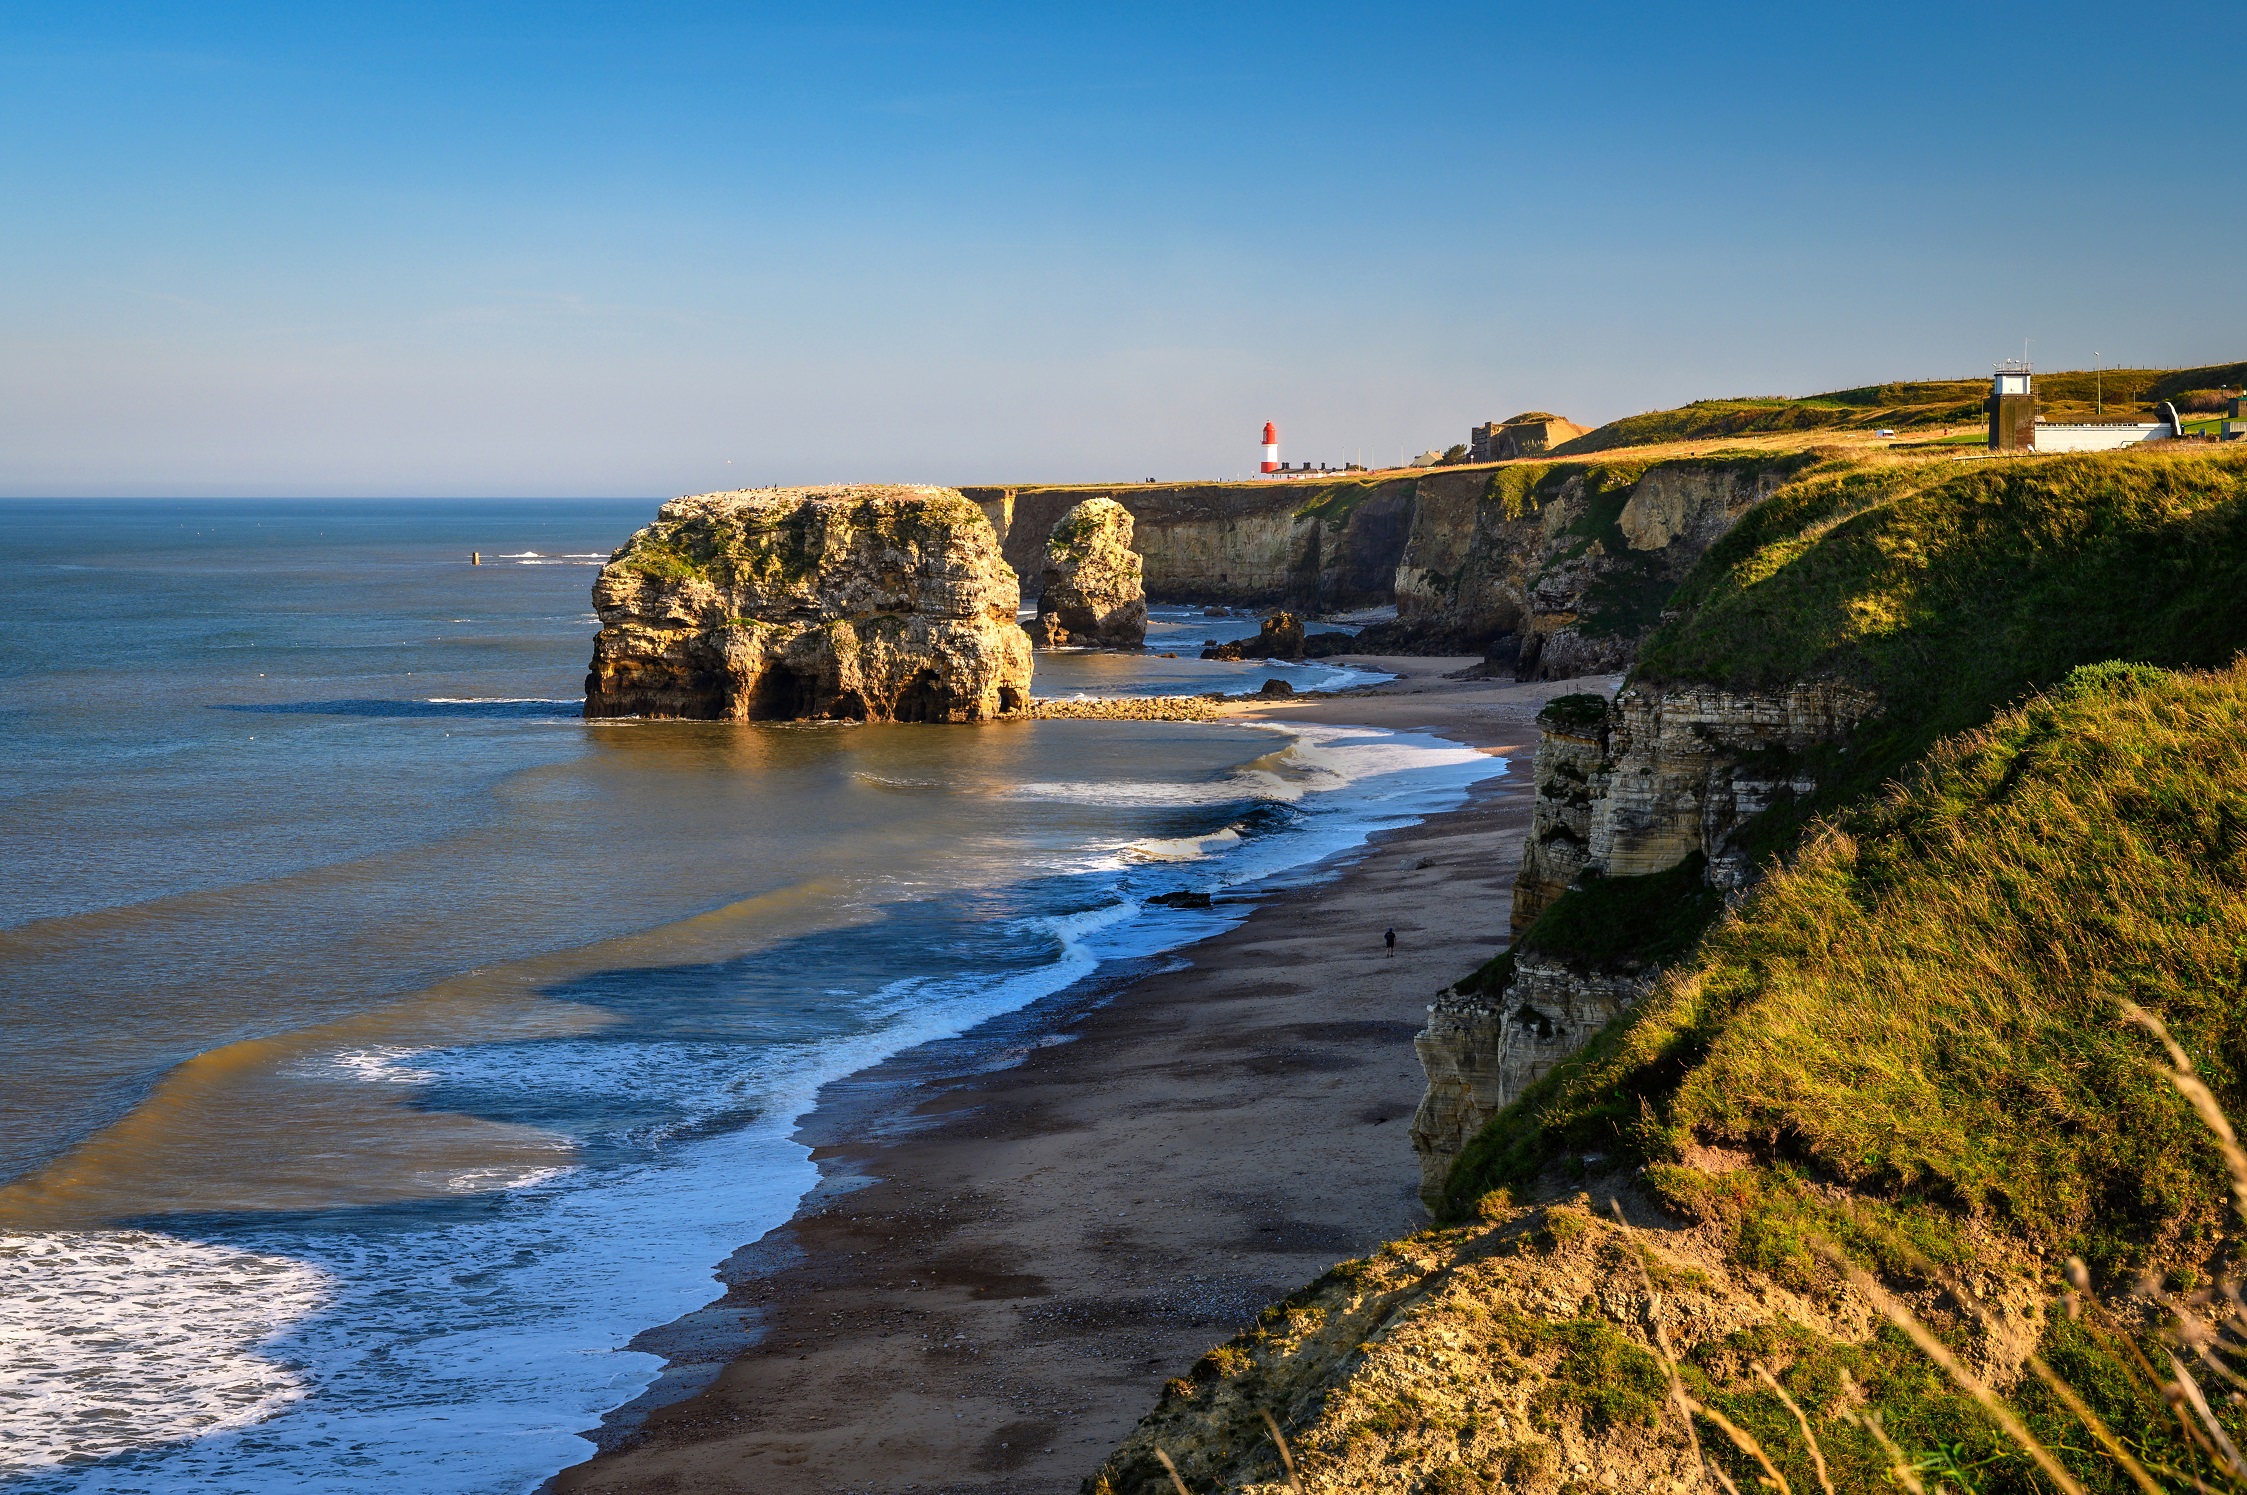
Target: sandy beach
x=1018 y=1241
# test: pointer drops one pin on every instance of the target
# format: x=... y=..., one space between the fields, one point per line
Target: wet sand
x=1003 y=1266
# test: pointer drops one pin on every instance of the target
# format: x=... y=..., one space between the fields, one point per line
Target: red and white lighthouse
x=1271 y=448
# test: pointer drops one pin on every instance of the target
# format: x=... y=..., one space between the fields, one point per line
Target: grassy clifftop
x=1923 y=1003
x=1950 y=588
x=1908 y=1047
x=2076 y=394
x=1905 y=1052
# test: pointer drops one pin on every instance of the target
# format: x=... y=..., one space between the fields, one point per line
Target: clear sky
x=556 y=248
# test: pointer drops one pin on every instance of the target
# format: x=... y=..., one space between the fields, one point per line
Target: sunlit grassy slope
x=1905 y=1043
x=1950 y=589
x=1914 y=406
x=1923 y=1003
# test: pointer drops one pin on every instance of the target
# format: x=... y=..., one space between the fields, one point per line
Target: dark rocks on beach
x=1280 y=637
x=1181 y=899
x=1276 y=687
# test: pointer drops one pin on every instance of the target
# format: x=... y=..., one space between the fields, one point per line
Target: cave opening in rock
x=848 y=706
x=925 y=698
x=1011 y=699
x=782 y=695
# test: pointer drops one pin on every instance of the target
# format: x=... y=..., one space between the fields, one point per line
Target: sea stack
x=774 y=604
x=1090 y=593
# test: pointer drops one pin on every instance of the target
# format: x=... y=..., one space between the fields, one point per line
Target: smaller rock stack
x=1091 y=592
x=1280 y=637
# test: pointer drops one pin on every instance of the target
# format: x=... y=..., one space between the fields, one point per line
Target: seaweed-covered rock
x=856 y=603
x=1090 y=592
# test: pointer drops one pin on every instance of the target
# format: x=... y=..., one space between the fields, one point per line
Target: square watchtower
x=2012 y=409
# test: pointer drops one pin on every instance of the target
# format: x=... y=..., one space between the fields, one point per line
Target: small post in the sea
x=475 y=558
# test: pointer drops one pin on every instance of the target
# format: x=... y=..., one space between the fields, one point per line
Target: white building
x=2015 y=425
x=2101 y=436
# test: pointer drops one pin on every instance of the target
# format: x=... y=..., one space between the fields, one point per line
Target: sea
x=386 y=1045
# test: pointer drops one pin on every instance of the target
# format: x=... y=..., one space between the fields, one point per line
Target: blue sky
x=645 y=249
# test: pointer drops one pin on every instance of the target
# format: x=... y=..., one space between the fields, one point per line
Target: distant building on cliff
x=1530 y=434
x=2014 y=426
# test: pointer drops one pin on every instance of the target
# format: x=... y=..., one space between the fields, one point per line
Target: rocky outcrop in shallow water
x=1279 y=636
x=851 y=603
x=1089 y=590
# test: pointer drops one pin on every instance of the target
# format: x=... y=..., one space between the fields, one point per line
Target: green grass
x=783 y=547
x=1906 y=406
x=1923 y=1005
x=1949 y=589
x=1627 y=922
x=1634 y=585
x=1334 y=503
x=1912 y=1034
x=1580 y=714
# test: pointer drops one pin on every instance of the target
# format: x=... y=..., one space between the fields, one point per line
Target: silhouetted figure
x=1390 y=939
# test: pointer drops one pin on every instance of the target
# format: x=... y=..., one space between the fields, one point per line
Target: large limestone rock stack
x=857 y=603
x=1091 y=593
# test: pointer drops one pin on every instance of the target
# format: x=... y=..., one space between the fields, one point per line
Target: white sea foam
x=381 y=1064
x=498 y=1180
x=1320 y=759
x=125 y=1339
x=462 y=1353
x=1183 y=848
x=1240 y=785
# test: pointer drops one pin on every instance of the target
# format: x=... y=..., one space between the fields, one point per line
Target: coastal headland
x=1890 y=808
x=1016 y=1244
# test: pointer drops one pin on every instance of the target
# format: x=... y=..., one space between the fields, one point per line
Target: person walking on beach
x=1390 y=939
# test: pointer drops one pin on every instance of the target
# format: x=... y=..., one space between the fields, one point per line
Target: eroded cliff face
x=1690 y=765
x=860 y=603
x=1627 y=788
x=1314 y=545
x=1481 y=1051
x=1090 y=591
x=1566 y=566
x=1523 y=1351
x=1569 y=777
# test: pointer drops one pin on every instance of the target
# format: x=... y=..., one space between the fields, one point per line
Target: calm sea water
x=386 y=1046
